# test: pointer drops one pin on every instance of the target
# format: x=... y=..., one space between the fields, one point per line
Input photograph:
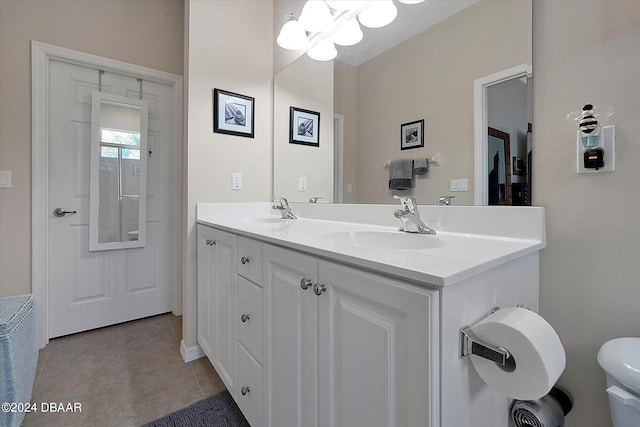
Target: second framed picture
x=304 y=127
x=412 y=135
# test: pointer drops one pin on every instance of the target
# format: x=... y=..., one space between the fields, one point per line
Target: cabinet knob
x=244 y=260
x=244 y=390
x=244 y=318
x=306 y=284
x=319 y=288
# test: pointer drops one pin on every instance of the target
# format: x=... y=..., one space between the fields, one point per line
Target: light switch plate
x=5 y=179
x=302 y=183
x=236 y=181
x=460 y=184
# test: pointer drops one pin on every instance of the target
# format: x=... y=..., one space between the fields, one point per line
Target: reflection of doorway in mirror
x=503 y=102
x=499 y=177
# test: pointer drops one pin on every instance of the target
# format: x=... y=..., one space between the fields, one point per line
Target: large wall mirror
x=118 y=188
x=429 y=75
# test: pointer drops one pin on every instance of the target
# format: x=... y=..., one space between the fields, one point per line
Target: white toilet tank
x=620 y=359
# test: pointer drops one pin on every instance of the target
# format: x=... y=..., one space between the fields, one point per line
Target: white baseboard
x=190 y=354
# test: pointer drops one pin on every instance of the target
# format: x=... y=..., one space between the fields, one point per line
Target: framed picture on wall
x=233 y=113
x=304 y=127
x=412 y=135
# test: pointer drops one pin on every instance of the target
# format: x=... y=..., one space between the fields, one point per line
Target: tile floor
x=123 y=375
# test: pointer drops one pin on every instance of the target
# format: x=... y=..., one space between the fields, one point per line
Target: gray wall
x=587 y=51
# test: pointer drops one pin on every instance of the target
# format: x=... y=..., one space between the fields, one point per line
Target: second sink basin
x=384 y=239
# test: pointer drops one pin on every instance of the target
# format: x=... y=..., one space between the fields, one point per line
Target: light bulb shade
x=315 y=16
x=411 y=1
x=346 y=4
x=348 y=34
x=292 y=36
x=378 y=14
x=323 y=51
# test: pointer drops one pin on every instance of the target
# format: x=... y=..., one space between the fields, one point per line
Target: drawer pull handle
x=244 y=391
x=244 y=260
x=306 y=284
x=244 y=318
x=210 y=242
x=319 y=288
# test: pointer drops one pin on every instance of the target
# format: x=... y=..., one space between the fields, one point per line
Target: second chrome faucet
x=281 y=204
x=410 y=217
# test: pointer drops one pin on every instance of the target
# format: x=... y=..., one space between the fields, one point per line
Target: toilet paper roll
x=533 y=344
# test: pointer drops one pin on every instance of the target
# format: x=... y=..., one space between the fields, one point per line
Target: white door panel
x=94 y=289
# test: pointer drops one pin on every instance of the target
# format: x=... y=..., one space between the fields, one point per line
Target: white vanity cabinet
x=347 y=347
x=322 y=322
x=216 y=287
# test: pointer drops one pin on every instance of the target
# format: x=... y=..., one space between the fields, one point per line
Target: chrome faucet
x=445 y=201
x=410 y=217
x=281 y=204
x=314 y=199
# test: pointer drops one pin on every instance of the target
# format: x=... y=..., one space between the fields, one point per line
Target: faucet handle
x=407 y=202
x=280 y=203
x=445 y=200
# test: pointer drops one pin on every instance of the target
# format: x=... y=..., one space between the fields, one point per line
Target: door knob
x=60 y=212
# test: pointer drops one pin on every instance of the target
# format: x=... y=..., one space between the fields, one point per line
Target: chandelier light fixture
x=325 y=23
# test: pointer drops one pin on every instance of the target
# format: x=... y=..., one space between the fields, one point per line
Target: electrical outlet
x=236 y=181
x=349 y=188
x=302 y=183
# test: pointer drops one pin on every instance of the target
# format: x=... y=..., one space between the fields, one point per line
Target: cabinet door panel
x=291 y=328
x=223 y=304
x=206 y=268
x=376 y=358
x=217 y=300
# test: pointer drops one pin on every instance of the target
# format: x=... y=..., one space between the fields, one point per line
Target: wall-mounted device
x=596 y=142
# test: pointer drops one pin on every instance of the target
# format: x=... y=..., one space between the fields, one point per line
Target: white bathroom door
x=86 y=289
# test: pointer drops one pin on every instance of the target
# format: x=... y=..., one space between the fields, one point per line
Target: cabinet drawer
x=249 y=259
x=249 y=315
x=249 y=390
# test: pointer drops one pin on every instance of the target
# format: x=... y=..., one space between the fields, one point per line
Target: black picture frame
x=412 y=135
x=233 y=113
x=304 y=127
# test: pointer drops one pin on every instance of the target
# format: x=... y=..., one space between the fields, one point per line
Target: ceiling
x=411 y=20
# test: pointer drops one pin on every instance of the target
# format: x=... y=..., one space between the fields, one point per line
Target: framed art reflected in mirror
x=304 y=127
x=412 y=135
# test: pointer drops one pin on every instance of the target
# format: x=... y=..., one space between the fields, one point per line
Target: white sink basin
x=384 y=239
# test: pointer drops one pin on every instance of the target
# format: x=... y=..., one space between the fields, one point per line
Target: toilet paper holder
x=470 y=344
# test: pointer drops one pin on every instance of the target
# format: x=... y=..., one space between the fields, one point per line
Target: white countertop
x=462 y=249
